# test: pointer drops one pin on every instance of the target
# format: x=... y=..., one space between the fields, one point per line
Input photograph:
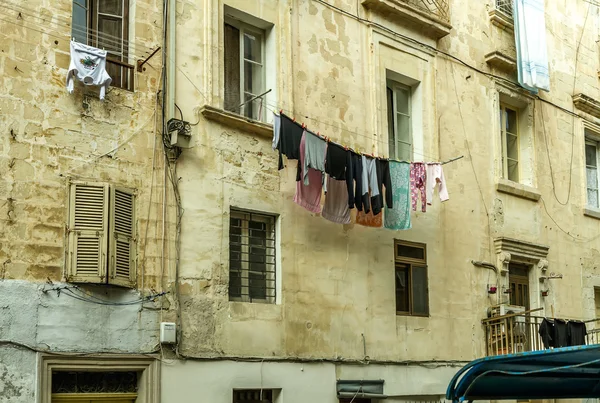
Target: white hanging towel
x=88 y=65
x=530 y=39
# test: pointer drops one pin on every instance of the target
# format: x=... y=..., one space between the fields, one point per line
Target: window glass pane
x=253 y=82
x=412 y=252
x=511 y=121
x=592 y=178
x=402 y=100
x=114 y=7
x=592 y=197
x=419 y=291
x=404 y=152
x=252 y=47
x=257 y=286
x=402 y=292
x=80 y=21
x=391 y=123
x=590 y=155
x=109 y=32
x=512 y=146
x=513 y=170
x=403 y=128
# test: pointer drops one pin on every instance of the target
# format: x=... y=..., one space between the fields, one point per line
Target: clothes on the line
x=336 y=208
x=88 y=65
x=418 y=183
x=276 y=130
x=354 y=179
x=398 y=217
x=369 y=219
x=289 y=142
x=530 y=40
x=369 y=182
x=546 y=332
x=308 y=196
x=335 y=164
x=576 y=331
x=435 y=177
x=314 y=154
x=383 y=179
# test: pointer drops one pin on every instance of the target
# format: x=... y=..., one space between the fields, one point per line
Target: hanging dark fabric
x=289 y=143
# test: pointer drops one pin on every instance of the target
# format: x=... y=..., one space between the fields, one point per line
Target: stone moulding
x=501 y=20
x=236 y=121
x=587 y=104
x=432 y=16
x=501 y=61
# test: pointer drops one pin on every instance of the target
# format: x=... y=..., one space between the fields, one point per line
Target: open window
x=412 y=289
x=104 y=24
x=101 y=235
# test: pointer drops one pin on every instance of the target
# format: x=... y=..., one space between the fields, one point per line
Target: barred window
x=506 y=6
x=253 y=396
x=251 y=257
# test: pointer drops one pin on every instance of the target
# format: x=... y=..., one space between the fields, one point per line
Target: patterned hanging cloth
x=398 y=218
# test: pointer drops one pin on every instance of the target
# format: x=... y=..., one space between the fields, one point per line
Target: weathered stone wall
x=338 y=281
x=49 y=137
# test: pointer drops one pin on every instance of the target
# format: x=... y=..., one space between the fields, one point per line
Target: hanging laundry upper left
x=88 y=65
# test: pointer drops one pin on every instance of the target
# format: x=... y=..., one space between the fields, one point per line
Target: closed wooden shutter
x=123 y=238
x=232 y=69
x=88 y=211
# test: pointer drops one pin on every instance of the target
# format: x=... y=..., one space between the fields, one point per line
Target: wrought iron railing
x=517 y=333
x=505 y=6
x=439 y=8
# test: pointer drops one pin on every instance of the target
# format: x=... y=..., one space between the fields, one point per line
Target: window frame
x=126 y=77
x=503 y=138
x=270 y=275
x=596 y=144
x=395 y=86
x=501 y=6
x=244 y=27
x=409 y=261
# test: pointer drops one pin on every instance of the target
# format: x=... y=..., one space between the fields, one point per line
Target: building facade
x=164 y=201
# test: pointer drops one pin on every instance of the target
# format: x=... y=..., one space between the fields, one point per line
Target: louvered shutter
x=88 y=212
x=122 y=267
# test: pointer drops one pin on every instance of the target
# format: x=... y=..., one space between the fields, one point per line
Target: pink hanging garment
x=418 y=184
x=308 y=196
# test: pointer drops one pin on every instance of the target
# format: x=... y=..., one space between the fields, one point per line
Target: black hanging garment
x=547 y=333
x=383 y=179
x=335 y=161
x=561 y=335
x=576 y=332
x=289 y=142
x=354 y=175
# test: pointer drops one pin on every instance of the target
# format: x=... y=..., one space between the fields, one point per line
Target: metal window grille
x=505 y=6
x=253 y=396
x=94 y=382
x=438 y=8
x=251 y=257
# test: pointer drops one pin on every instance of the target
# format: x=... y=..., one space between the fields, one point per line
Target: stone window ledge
x=587 y=104
x=236 y=121
x=501 y=20
x=518 y=189
x=501 y=61
x=592 y=212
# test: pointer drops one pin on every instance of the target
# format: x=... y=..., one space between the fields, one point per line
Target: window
x=591 y=170
x=412 y=291
x=245 y=70
x=101 y=235
x=253 y=396
x=510 y=142
x=104 y=24
x=399 y=121
x=251 y=257
x=506 y=7
x=597 y=301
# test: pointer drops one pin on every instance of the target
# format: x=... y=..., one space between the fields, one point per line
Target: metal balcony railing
x=517 y=333
x=439 y=8
x=505 y=6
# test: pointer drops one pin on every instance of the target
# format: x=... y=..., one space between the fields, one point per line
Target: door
x=518 y=278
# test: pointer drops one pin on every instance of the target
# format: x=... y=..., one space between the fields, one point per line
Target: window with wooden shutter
x=122 y=238
x=87 y=233
x=102 y=236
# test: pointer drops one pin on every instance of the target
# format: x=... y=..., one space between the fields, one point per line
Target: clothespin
x=280 y=111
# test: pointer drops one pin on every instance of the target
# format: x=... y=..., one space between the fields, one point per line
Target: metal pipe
x=484 y=264
x=253 y=98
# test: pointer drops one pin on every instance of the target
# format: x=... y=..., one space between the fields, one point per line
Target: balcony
x=518 y=333
x=431 y=17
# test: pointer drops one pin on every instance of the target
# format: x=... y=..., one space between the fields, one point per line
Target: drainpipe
x=171 y=60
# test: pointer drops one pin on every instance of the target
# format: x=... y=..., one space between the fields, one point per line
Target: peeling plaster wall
x=48 y=137
x=338 y=281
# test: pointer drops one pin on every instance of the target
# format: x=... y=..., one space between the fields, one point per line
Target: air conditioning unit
x=505 y=309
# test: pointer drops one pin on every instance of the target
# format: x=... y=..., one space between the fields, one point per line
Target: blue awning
x=562 y=373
